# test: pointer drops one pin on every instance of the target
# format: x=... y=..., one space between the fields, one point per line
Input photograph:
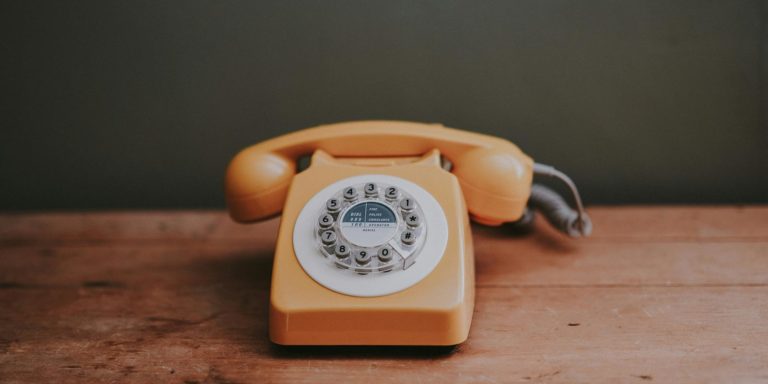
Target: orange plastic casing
x=494 y=174
x=435 y=311
x=490 y=180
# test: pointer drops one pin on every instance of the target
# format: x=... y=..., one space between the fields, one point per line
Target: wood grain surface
x=658 y=294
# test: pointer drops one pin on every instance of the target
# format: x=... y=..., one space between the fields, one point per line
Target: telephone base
x=425 y=326
x=435 y=311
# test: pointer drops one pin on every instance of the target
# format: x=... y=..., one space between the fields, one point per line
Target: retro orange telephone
x=374 y=246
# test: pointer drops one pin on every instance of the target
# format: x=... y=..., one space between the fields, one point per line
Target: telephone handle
x=495 y=175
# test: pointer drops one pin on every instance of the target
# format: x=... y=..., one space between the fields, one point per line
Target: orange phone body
x=374 y=245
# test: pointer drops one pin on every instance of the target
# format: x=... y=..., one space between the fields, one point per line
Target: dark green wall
x=140 y=104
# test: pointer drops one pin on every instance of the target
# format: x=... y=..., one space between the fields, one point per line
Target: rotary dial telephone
x=374 y=245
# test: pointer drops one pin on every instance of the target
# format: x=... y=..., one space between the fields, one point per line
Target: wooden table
x=664 y=294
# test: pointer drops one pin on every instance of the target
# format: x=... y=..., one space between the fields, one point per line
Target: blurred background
x=140 y=104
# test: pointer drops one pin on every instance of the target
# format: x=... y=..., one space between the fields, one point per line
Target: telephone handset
x=374 y=246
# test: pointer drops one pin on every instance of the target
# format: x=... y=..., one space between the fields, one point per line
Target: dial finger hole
x=384 y=254
x=325 y=221
x=362 y=257
x=328 y=237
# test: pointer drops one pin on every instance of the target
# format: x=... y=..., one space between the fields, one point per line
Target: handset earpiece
x=496 y=182
x=257 y=183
